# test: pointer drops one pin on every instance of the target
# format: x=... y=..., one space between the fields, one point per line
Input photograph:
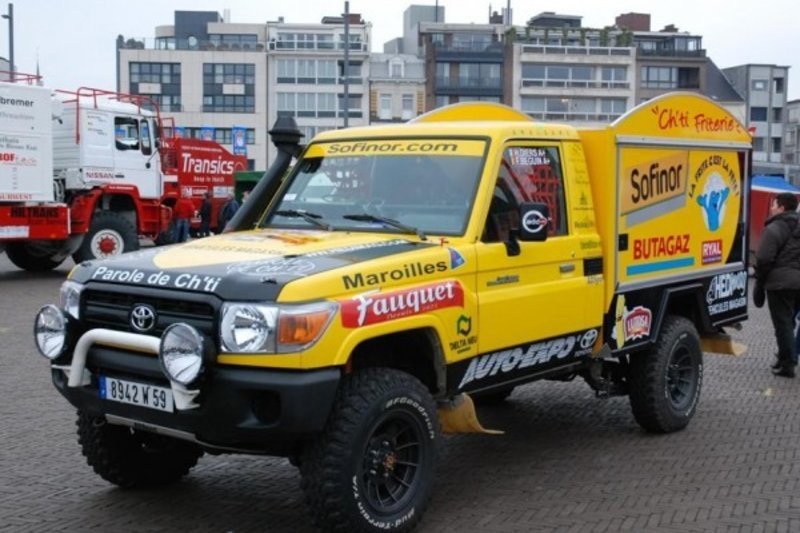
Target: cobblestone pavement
x=568 y=461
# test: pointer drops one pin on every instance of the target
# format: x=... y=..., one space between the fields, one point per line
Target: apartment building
x=764 y=89
x=206 y=74
x=397 y=87
x=307 y=76
x=564 y=72
x=210 y=75
x=791 y=138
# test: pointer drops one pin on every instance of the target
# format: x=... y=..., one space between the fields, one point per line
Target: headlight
x=181 y=353
x=251 y=328
x=71 y=298
x=50 y=331
x=248 y=328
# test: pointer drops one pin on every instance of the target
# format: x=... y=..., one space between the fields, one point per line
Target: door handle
x=566 y=267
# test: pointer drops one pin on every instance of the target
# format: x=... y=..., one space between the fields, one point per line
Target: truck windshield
x=426 y=185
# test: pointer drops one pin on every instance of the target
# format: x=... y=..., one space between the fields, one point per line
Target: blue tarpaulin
x=772 y=184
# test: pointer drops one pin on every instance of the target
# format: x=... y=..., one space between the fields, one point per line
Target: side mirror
x=534 y=219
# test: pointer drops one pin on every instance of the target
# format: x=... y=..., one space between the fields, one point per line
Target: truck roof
x=104 y=103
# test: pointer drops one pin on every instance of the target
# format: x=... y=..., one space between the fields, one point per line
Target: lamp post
x=10 y=17
x=346 y=63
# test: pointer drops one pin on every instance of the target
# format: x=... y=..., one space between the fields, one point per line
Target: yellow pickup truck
x=357 y=303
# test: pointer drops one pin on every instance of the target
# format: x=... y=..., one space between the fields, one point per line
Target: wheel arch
x=686 y=301
x=417 y=351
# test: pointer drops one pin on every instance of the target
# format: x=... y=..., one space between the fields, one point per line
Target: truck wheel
x=110 y=234
x=133 y=459
x=666 y=381
x=30 y=258
x=372 y=469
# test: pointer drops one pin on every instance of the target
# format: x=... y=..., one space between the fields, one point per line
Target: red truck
x=88 y=173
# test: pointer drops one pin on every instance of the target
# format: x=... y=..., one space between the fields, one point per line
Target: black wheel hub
x=681 y=377
x=392 y=461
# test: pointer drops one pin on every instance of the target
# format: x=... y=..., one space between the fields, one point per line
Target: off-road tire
x=117 y=225
x=383 y=420
x=665 y=382
x=24 y=256
x=133 y=459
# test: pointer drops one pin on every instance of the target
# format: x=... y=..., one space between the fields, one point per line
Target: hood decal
x=255 y=267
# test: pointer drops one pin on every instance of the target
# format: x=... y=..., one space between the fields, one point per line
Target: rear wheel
x=110 y=234
x=666 y=381
x=373 y=467
x=28 y=256
x=131 y=458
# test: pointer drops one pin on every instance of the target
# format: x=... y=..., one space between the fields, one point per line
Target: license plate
x=130 y=392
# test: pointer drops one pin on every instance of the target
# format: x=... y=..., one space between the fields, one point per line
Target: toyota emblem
x=143 y=318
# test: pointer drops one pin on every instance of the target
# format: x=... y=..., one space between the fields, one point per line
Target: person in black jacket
x=778 y=273
x=205 y=216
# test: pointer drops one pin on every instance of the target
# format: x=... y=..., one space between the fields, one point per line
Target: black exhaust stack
x=286 y=138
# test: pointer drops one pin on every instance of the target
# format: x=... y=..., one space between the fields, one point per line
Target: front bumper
x=231 y=409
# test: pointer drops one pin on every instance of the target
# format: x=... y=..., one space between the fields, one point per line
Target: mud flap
x=457 y=415
x=722 y=343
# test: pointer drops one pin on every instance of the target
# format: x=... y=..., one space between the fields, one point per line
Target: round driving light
x=181 y=353
x=50 y=331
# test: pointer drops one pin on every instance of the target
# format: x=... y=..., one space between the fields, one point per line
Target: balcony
x=576 y=84
x=468 y=83
x=577 y=50
x=162 y=43
x=688 y=54
x=573 y=116
x=313 y=45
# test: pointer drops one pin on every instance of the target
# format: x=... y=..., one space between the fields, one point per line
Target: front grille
x=111 y=309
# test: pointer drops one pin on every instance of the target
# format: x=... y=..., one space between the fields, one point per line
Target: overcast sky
x=74 y=39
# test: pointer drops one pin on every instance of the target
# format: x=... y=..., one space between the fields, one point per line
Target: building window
x=159 y=81
x=612 y=106
x=408 y=106
x=778 y=85
x=229 y=87
x=441 y=101
x=777 y=114
x=396 y=68
x=759 y=85
x=758 y=114
x=659 y=77
x=758 y=144
x=776 y=145
x=385 y=106
x=527 y=174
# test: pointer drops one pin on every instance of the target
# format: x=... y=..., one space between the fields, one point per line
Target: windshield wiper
x=390 y=221
x=311 y=218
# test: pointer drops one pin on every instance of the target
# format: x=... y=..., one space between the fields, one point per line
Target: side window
x=126 y=133
x=147 y=144
x=527 y=174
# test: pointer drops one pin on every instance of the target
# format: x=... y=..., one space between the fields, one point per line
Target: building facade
x=464 y=63
x=397 y=87
x=306 y=75
x=563 y=72
x=791 y=140
x=210 y=76
x=764 y=89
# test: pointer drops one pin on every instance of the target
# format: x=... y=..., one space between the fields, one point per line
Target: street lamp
x=10 y=17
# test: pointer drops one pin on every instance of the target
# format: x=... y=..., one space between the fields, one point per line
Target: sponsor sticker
x=727 y=292
x=376 y=307
x=510 y=361
x=630 y=324
x=712 y=251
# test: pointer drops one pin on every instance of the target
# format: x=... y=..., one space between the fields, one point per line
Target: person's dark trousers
x=181 y=230
x=204 y=228
x=782 y=306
